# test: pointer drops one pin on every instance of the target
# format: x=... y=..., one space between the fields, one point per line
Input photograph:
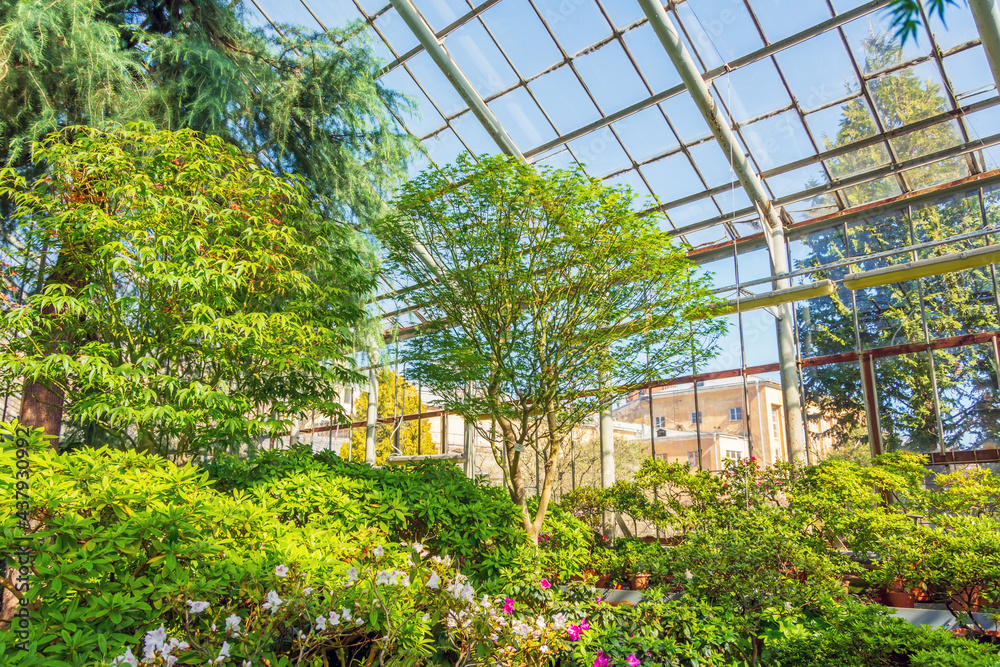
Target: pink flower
x=584 y=625
x=602 y=660
x=508 y=606
x=544 y=583
x=574 y=632
x=632 y=660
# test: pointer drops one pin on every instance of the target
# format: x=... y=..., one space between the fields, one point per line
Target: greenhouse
x=576 y=333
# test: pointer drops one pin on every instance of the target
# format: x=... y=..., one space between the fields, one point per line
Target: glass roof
x=804 y=84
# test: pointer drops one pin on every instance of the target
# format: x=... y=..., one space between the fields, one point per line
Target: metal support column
x=435 y=49
x=607 y=462
x=372 y=416
x=692 y=78
x=987 y=15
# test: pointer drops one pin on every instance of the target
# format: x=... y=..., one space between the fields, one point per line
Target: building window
x=693 y=458
x=776 y=423
x=735 y=414
x=660 y=422
x=734 y=454
x=696 y=417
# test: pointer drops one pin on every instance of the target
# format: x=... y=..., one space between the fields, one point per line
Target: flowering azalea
x=544 y=583
x=224 y=652
x=272 y=602
x=559 y=621
x=154 y=642
x=574 y=632
x=125 y=658
x=196 y=606
x=434 y=581
x=320 y=624
x=632 y=660
x=233 y=623
x=281 y=571
x=334 y=619
x=379 y=551
x=508 y=606
x=352 y=575
x=602 y=660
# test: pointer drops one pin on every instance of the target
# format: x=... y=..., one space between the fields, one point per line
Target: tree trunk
x=42 y=407
x=555 y=452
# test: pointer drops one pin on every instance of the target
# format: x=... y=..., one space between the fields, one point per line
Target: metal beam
x=754 y=188
x=463 y=86
x=987 y=16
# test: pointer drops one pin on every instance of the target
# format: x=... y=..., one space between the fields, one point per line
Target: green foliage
x=189 y=291
x=564 y=545
x=906 y=15
x=396 y=397
x=547 y=287
x=432 y=503
x=298 y=101
x=856 y=635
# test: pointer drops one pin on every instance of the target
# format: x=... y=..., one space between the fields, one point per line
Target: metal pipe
x=987 y=16
x=372 y=416
x=455 y=75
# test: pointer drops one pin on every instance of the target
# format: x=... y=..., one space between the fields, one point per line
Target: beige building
x=726 y=424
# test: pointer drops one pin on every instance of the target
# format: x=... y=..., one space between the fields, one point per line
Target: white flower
x=485 y=604
x=451 y=622
x=233 y=623
x=320 y=624
x=788 y=606
x=307 y=590
x=334 y=619
x=281 y=571
x=197 y=607
x=559 y=621
x=246 y=663
x=426 y=617
x=273 y=602
x=688 y=575
x=434 y=581
x=405 y=581
x=212 y=627
x=417 y=546
x=125 y=658
x=544 y=648
x=154 y=642
x=224 y=652
x=540 y=622
x=378 y=551
x=383 y=578
x=358 y=621
x=171 y=660
x=346 y=613
x=352 y=576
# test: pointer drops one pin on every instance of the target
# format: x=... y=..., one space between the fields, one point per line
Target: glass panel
x=600 y=153
x=632 y=179
x=426 y=118
x=937 y=173
x=842 y=124
x=444 y=147
x=646 y=134
x=908 y=95
x=713 y=164
x=721 y=30
x=576 y=24
x=649 y=56
x=960 y=27
x=480 y=59
x=440 y=13
x=835 y=411
x=611 y=78
x=967 y=390
x=752 y=91
x=969 y=75
x=685 y=118
x=875 y=49
x=906 y=403
x=564 y=99
x=818 y=71
x=522 y=119
x=474 y=134
x=782 y=18
x=514 y=24
x=437 y=86
x=778 y=140
x=392 y=26
x=672 y=177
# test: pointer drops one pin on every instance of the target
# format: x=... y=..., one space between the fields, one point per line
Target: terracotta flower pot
x=603 y=581
x=922 y=594
x=968 y=599
x=897 y=594
x=639 y=581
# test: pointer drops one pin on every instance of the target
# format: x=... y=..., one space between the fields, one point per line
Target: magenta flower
x=632 y=660
x=574 y=632
x=584 y=625
x=508 y=606
x=544 y=583
x=602 y=660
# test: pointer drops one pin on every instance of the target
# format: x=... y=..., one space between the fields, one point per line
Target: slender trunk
x=555 y=452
